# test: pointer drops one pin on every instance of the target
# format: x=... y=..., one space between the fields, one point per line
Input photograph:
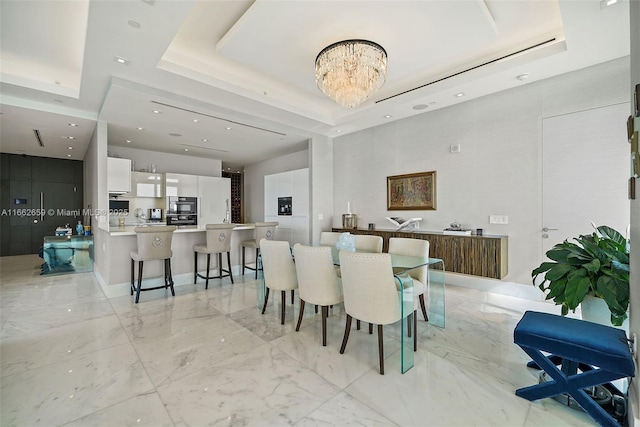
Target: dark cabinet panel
x=53 y=170
x=57 y=182
x=5 y=237
x=19 y=167
x=4 y=166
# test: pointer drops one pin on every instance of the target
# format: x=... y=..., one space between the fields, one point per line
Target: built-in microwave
x=177 y=205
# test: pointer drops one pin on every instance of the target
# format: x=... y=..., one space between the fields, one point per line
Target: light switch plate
x=499 y=219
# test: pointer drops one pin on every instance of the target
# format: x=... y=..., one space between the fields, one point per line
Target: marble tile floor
x=71 y=357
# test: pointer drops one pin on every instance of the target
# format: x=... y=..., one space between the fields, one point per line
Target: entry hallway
x=72 y=357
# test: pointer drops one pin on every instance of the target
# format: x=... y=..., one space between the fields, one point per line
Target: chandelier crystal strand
x=350 y=71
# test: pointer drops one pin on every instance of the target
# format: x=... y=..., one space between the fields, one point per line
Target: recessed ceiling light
x=339 y=131
x=522 y=77
x=228 y=169
x=68 y=155
x=186 y=149
x=75 y=125
x=71 y=137
x=70 y=148
x=607 y=3
x=204 y=140
x=129 y=141
x=157 y=111
x=387 y=116
x=196 y=121
x=140 y=128
x=121 y=60
x=133 y=24
x=228 y=128
x=420 y=106
x=459 y=94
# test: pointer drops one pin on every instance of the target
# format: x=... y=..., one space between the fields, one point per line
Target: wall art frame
x=415 y=191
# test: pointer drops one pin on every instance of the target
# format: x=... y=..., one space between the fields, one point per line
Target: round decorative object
x=269 y=234
x=222 y=237
x=157 y=242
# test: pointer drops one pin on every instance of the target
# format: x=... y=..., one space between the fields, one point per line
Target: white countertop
x=127 y=230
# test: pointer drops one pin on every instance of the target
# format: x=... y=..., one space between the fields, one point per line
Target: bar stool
x=218 y=242
x=154 y=243
x=264 y=230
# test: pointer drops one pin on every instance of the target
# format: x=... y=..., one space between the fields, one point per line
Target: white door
x=585 y=168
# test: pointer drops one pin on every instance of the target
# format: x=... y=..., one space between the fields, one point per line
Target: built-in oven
x=177 y=205
x=182 y=219
x=182 y=210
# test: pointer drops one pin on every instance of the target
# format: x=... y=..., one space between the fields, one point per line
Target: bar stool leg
x=140 y=264
x=206 y=285
x=173 y=292
x=195 y=267
x=133 y=263
x=220 y=266
x=229 y=265
x=257 y=250
x=243 y=251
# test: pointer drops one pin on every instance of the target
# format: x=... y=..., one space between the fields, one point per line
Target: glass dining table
x=435 y=296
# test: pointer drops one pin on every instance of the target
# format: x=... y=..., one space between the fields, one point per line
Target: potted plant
x=596 y=265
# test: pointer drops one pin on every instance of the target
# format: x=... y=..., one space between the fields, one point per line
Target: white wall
x=634 y=322
x=498 y=170
x=321 y=185
x=166 y=162
x=254 y=181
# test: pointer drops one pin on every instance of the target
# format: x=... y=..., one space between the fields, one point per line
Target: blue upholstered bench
x=575 y=342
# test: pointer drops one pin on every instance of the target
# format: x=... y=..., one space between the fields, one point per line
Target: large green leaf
x=557 y=288
x=614 y=236
x=577 y=287
x=543 y=267
x=558 y=271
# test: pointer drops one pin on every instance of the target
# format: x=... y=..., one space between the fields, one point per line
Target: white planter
x=596 y=310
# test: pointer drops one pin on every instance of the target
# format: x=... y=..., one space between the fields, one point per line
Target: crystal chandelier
x=351 y=70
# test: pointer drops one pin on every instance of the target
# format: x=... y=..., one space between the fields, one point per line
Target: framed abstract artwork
x=415 y=191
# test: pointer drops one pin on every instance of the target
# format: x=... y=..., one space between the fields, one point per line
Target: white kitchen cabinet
x=179 y=184
x=118 y=175
x=145 y=184
x=214 y=198
x=295 y=184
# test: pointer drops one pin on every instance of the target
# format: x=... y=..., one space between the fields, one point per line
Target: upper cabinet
x=145 y=184
x=118 y=175
x=179 y=184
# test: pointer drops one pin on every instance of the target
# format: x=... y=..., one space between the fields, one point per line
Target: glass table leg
x=435 y=292
x=407 y=307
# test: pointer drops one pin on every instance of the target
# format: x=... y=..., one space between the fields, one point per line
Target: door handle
x=41 y=206
x=545 y=229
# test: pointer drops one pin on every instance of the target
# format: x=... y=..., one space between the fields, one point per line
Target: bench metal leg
x=571 y=383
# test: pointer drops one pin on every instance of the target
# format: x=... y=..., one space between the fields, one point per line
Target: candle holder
x=349 y=221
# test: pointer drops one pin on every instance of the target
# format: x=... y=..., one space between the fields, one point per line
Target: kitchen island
x=119 y=241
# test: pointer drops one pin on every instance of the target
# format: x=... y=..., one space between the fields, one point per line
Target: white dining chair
x=420 y=276
x=279 y=270
x=317 y=281
x=263 y=230
x=368 y=243
x=371 y=294
x=329 y=238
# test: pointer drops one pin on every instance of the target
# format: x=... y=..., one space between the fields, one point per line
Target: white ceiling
x=245 y=69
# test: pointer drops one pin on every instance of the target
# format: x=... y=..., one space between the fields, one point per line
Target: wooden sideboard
x=485 y=256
